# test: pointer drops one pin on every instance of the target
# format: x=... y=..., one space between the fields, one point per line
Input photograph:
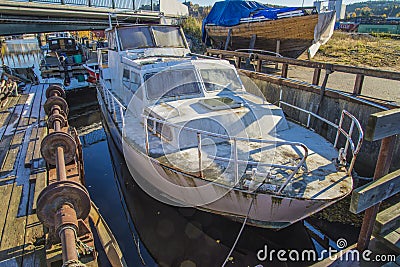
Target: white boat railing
x=113 y=105
x=355 y=149
x=200 y=133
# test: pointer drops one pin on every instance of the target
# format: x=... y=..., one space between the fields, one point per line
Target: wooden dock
x=22 y=177
x=24 y=188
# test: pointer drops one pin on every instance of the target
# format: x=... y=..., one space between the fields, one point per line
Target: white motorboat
x=201 y=136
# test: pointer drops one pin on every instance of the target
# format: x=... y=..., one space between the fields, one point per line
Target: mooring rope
x=239 y=234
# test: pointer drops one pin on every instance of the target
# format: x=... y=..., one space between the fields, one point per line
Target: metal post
x=235 y=156
x=199 y=154
x=346 y=147
x=122 y=115
x=381 y=169
x=308 y=119
x=338 y=130
x=146 y=133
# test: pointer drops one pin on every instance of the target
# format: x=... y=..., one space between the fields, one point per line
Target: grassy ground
x=381 y=52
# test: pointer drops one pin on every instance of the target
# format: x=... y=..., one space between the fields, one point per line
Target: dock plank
x=5 y=194
x=374 y=192
x=392 y=239
x=8 y=117
x=41 y=183
x=34 y=234
x=13 y=152
x=31 y=147
x=12 y=241
x=387 y=219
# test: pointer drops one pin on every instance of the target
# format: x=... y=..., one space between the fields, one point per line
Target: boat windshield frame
x=195 y=68
x=150 y=36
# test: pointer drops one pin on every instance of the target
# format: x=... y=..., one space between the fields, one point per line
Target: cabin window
x=217 y=78
x=168 y=37
x=171 y=83
x=135 y=81
x=126 y=79
x=132 y=38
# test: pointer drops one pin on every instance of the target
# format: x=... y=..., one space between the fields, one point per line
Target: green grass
x=361 y=50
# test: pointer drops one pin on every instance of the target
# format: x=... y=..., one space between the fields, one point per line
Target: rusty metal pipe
x=67 y=223
x=56 y=124
x=60 y=164
x=68 y=241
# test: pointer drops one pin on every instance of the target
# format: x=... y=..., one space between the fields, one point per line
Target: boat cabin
x=65 y=45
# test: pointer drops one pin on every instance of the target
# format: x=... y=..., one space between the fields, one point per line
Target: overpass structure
x=19 y=17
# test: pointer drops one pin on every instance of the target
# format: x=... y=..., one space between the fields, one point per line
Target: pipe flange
x=55 y=100
x=59 y=193
x=55 y=89
x=48 y=147
x=57 y=117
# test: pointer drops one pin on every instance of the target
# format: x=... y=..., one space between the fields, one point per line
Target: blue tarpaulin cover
x=229 y=13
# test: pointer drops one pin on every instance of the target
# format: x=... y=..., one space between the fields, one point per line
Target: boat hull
x=295 y=35
x=263 y=210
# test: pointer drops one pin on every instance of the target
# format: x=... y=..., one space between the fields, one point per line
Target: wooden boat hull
x=295 y=34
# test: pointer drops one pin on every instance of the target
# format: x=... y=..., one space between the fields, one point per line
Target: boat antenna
x=109 y=20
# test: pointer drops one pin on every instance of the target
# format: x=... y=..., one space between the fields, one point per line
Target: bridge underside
x=10 y=27
x=29 y=17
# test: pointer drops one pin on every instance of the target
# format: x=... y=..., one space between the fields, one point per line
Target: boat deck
x=321 y=179
x=23 y=175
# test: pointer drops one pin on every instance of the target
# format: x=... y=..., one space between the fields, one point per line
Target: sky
x=275 y=2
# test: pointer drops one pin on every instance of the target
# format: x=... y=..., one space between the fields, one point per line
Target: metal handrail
x=236 y=161
x=355 y=149
x=111 y=104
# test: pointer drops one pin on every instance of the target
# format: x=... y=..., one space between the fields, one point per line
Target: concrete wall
x=307 y=97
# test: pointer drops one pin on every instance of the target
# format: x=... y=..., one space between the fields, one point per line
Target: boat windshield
x=150 y=36
x=217 y=77
x=137 y=37
x=168 y=37
x=171 y=83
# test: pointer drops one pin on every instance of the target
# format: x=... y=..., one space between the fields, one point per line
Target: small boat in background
x=63 y=52
x=288 y=31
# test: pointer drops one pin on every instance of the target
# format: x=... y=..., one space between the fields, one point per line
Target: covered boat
x=202 y=136
x=288 y=31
